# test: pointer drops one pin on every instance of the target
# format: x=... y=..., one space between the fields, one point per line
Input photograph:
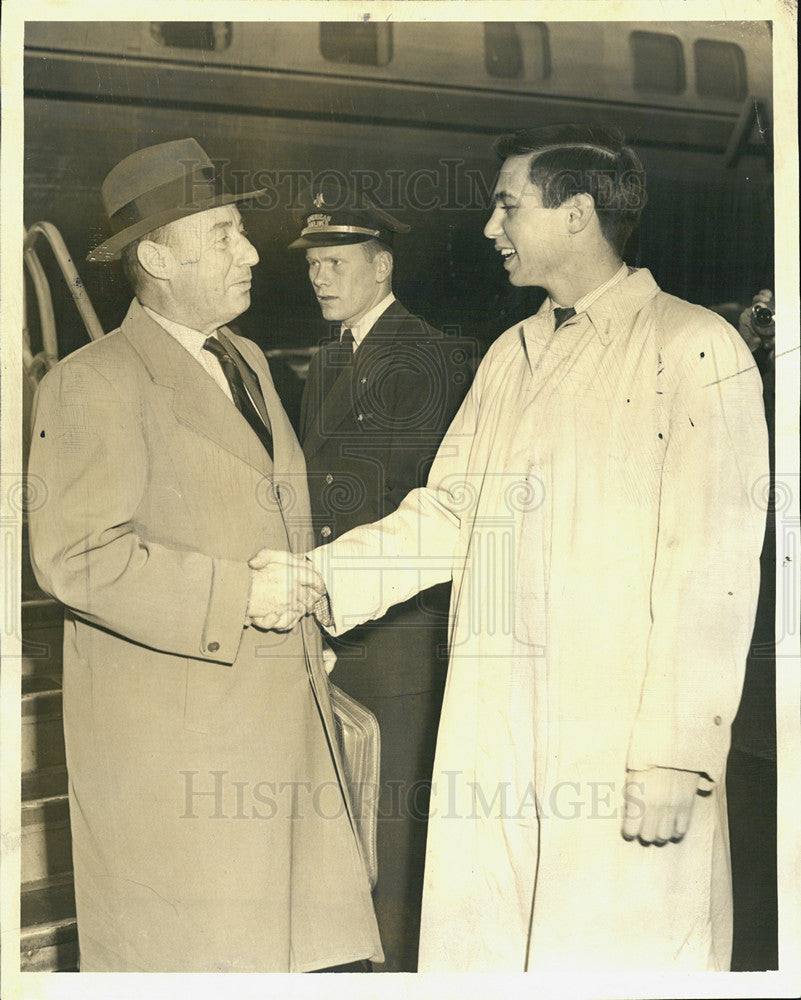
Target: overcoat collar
x=198 y=401
x=615 y=309
x=338 y=401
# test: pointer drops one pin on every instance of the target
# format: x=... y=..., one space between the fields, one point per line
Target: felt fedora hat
x=158 y=185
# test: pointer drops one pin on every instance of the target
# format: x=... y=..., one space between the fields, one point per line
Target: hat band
x=325 y=230
x=191 y=191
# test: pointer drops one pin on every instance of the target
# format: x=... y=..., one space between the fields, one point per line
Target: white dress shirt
x=193 y=341
x=368 y=321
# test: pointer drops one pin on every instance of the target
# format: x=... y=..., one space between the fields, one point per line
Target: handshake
x=283 y=588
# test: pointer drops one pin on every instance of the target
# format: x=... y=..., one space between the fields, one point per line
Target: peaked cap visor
x=331 y=239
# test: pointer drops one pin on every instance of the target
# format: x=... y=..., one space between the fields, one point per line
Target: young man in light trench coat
x=596 y=504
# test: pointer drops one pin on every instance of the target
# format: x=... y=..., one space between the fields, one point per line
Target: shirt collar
x=618 y=309
x=631 y=287
x=192 y=340
x=607 y=313
x=587 y=300
x=368 y=321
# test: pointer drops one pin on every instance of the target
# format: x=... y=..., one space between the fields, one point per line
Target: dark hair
x=570 y=159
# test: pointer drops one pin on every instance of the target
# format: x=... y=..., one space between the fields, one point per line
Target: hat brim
x=114 y=245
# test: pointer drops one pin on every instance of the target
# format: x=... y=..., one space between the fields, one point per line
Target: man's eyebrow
x=224 y=224
x=503 y=196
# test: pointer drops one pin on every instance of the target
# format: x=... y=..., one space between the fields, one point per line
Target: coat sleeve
x=375 y=566
x=705 y=579
x=87 y=548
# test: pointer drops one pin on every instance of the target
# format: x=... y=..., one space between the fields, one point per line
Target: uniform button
x=360 y=416
x=325 y=531
x=717 y=720
x=363 y=380
x=329 y=479
x=213 y=647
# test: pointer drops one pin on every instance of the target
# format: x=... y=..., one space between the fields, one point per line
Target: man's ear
x=156 y=258
x=383 y=265
x=580 y=210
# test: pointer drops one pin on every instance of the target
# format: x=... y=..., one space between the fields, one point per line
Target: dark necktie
x=346 y=343
x=242 y=400
x=561 y=316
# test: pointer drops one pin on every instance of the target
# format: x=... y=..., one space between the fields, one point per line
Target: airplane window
x=504 y=47
x=503 y=53
x=363 y=44
x=206 y=35
x=720 y=70
x=658 y=62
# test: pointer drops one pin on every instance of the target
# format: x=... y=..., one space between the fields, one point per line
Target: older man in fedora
x=211 y=831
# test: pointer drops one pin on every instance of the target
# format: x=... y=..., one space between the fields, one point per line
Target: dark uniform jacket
x=371 y=423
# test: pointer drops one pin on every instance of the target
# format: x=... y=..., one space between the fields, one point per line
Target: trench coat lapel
x=198 y=401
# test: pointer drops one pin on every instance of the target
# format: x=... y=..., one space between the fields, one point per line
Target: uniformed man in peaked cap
x=380 y=395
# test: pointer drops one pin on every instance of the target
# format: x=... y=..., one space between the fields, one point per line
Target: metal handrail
x=49 y=355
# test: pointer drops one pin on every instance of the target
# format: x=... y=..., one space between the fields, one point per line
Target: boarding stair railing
x=48 y=932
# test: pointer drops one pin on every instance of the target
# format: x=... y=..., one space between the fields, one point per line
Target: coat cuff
x=701 y=744
x=226 y=611
x=324 y=610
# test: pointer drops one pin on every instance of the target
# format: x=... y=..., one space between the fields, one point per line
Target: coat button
x=363 y=380
x=213 y=647
x=717 y=720
x=325 y=531
x=360 y=416
x=329 y=479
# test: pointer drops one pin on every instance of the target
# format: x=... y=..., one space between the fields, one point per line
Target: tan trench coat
x=599 y=503
x=209 y=828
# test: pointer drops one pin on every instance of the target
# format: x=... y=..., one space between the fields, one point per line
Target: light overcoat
x=209 y=827
x=600 y=502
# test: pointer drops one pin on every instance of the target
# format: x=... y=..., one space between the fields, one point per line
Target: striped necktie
x=239 y=393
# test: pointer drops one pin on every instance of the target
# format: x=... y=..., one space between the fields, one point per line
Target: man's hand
x=283 y=588
x=658 y=804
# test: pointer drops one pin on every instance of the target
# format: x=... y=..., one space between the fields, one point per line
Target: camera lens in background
x=761 y=315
